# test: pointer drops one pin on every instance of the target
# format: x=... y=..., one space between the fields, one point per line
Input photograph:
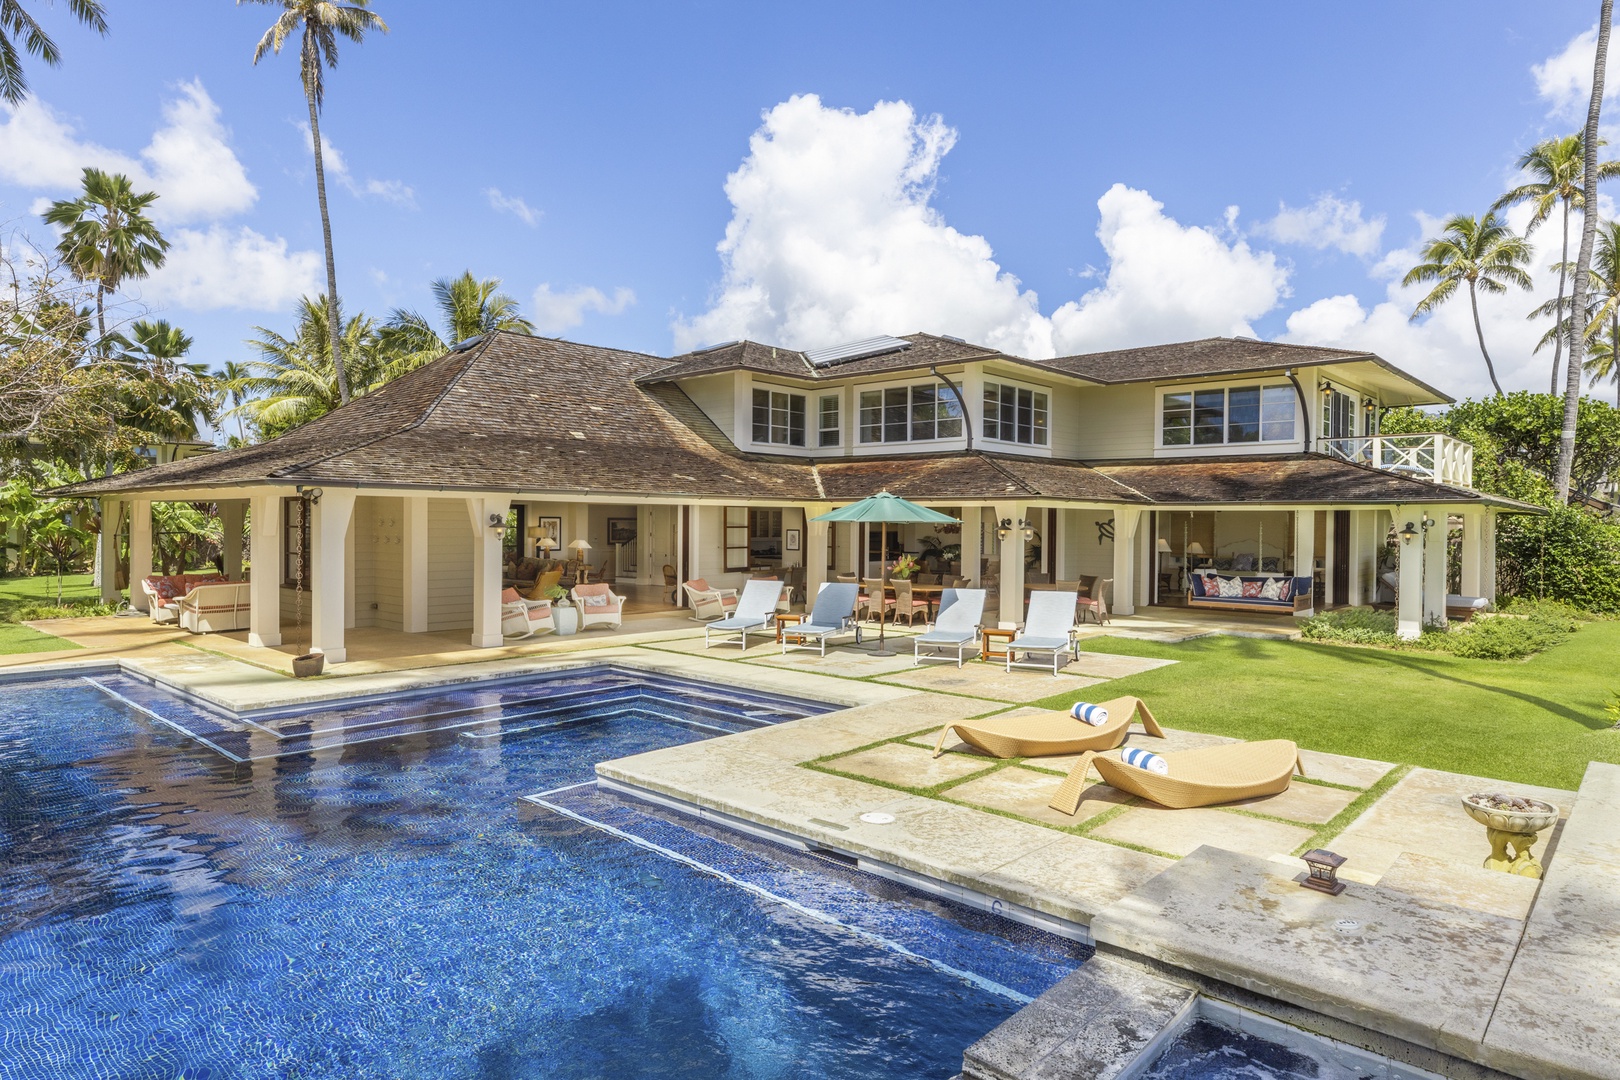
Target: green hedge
x=1569 y=555
x=1524 y=630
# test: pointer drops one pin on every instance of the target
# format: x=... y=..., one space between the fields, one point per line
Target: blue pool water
x=1206 y=1050
x=363 y=892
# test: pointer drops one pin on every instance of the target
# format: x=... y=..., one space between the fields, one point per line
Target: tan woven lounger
x=1051 y=733
x=1202 y=777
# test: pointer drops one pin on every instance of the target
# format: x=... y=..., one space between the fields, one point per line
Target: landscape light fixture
x=1324 y=873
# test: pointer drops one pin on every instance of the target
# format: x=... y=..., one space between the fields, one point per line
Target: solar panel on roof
x=712 y=348
x=855 y=350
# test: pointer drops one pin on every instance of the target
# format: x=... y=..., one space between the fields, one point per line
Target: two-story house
x=1136 y=465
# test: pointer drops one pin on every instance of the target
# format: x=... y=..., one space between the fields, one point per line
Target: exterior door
x=1341 y=557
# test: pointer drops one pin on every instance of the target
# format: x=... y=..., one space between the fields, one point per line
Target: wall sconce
x=497 y=523
x=1368 y=407
x=1005 y=529
x=1409 y=533
x=1324 y=875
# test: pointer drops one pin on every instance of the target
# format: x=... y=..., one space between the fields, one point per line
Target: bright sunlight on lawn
x=1538 y=721
x=19 y=593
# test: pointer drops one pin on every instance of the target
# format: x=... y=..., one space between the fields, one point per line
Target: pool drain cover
x=877 y=817
x=1346 y=926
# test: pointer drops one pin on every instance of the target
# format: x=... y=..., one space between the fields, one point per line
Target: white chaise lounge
x=955 y=630
x=1048 y=628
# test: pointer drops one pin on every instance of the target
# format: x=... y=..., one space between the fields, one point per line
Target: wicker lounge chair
x=755 y=609
x=1052 y=733
x=1048 y=628
x=598 y=605
x=1202 y=777
x=709 y=603
x=956 y=629
x=834 y=613
x=522 y=617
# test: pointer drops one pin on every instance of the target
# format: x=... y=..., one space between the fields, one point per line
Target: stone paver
x=1073 y=877
x=1443 y=881
x=1302 y=802
x=1423 y=971
x=1423 y=814
x=1338 y=769
x=908 y=766
x=858 y=662
x=1180 y=832
x=993 y=681
x=1026 y=793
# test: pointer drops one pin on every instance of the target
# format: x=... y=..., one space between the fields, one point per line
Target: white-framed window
x=1226 y=416
x=829 y=429
x=916 y=413
x=1015 y=414
x=1338 y=415
x=778 y=417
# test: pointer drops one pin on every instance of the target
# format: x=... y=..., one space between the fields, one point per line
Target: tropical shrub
x=1528 y=629
x=1569 y=555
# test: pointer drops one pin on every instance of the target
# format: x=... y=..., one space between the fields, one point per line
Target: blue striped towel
x=1145 y=759
x=1095 y=715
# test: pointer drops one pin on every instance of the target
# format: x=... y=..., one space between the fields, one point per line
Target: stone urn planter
x=566 y=618
x=1511 y=821
x=308 y=665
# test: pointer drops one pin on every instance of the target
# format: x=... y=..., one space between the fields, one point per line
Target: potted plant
x=905 y=567
x=563 y=615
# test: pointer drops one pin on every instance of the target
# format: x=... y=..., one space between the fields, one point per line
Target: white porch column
x=414 y=540
x=1012 y=563
x=1127 y=523
x=1409 y=564
x=1305 y=547
x=107 y=550
x=1487 y=555
x=815 y=551
x=1435 y=562
x=264 y=616
x=328 y=543
x=348 y=575
x=972 y=545
x=1058 y=545
x=230 y=519
x=487 y=550
x=1360 y=531
x=140 y=550
x=1472 y=577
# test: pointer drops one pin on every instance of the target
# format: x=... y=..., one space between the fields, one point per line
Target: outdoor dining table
x=930 y=593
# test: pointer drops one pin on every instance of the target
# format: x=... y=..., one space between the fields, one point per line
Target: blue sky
x=1047 y=178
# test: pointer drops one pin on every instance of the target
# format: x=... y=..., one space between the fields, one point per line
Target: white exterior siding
x=1101 y=423
x=450 y=565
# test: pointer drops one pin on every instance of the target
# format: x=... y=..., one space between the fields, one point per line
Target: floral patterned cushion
x=1253 y=590
x=1230 y=586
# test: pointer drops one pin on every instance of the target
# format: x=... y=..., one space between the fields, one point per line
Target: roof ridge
x=421 y=416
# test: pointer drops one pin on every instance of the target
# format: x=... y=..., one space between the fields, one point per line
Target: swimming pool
x=361 y=891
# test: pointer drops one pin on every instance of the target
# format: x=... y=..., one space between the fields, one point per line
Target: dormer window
x=778 y=418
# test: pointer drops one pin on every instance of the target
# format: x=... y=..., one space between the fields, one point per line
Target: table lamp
x=546 y=545
x=580 y=547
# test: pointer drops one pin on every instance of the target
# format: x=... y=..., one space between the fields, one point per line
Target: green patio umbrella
x=886 y=509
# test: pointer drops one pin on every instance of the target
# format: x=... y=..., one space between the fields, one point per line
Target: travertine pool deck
x=1211 y=895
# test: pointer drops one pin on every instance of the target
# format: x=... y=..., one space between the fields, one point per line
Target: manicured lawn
x=19 y=592
x=1538 y=721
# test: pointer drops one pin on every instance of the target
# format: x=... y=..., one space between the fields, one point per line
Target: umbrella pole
x=883 y=591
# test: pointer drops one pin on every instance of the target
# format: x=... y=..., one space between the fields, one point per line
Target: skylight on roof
x=855 y=350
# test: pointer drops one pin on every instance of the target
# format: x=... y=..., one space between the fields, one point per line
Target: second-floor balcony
x=1425 y=456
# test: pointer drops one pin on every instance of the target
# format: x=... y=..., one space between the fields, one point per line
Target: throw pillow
x=1253 y=589
x=1095 y=715
x=1268 y=591
x=509 y=596
x=1285 y=588
x=1230 y=586
x=1145 y=759
x=594 y=600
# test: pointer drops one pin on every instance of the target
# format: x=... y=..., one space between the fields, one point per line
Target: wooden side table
x=786 y=619
x=993 y=633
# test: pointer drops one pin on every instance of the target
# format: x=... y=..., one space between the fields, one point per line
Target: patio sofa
x=1292 y=595
x=221 y=605
x=164 y=591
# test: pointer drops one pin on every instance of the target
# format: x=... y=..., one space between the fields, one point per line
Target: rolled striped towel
x=1145 y=759
x=1095 y=715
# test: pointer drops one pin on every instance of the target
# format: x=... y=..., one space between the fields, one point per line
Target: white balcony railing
x=1428 y=456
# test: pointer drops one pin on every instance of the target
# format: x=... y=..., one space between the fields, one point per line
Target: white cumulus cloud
x=832 y=237
x=1564 y=80
x=514 y=205
x=222 y=267
x=188 y=162
x=337 y=167
x=555 y=312
x=1329 y=222
x=1166 y=281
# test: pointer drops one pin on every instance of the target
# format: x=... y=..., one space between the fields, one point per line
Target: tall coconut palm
x=165 y=395
x=18 y=27
x=1485 y=254
x=294 y=381
x=321 y=22
x=1558 y=168
x=1583 y=260
x=106 y=235
x=468 y=307
x=231 y=388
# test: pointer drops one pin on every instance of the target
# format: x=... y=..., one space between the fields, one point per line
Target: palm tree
x=1583 y=260
x=1484 y=253
x=106 y=235
x=165 y=396
x=321 y=21
x=293 y=381
x=17 y=25
x=231 y=388
x=1603 y=307
x=1558 y=167
x=468 y=307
